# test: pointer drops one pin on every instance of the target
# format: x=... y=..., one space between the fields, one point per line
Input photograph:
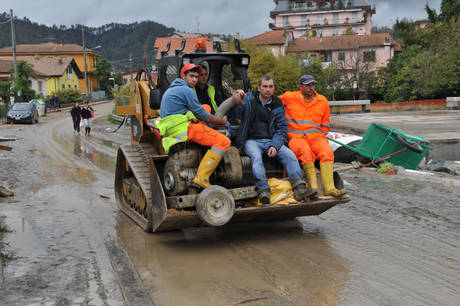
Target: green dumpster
x=40 y=105
x=381 y=142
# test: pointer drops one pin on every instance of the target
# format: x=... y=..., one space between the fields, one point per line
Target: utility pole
x=130 y=69
x=13 y=41
x=86 y=65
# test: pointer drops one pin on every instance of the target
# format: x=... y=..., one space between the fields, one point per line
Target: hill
x=118 y=42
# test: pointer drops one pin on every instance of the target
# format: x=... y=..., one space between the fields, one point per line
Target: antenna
x=197 y=24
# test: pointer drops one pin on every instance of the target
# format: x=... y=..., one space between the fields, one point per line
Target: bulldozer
x=155 y=189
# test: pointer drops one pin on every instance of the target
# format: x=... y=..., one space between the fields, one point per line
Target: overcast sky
x=247 y=17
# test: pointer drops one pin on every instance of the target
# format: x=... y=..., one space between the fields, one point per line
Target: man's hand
x=272 y=152
x=238 y=97
x=218 y=121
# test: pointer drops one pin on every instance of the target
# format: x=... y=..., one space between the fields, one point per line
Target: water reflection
x=266 y=263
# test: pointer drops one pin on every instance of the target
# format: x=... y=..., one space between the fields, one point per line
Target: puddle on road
x=267 y=263
x=90 y=149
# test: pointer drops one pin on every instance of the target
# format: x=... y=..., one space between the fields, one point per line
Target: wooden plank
x=5 y=148
x=126 y=110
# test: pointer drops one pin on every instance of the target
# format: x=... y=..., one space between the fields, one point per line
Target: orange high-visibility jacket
x=310 y=119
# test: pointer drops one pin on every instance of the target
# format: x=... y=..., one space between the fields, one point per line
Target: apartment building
x=322 y=17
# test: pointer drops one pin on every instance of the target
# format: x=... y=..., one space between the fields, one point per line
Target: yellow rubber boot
x=310 y=175
x=207 y=166
x=327 y=178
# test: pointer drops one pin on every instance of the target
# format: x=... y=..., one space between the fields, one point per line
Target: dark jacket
x=86 y=112
x=278 y=125
x=75 y=112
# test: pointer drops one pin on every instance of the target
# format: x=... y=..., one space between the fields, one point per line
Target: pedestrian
x=263 y=131
x=75 y=112
x=87 y=113
x=308 y=117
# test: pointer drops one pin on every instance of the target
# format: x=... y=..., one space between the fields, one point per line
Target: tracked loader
x=155 y=189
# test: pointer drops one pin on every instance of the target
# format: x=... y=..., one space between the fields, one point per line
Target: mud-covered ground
x=395 y=243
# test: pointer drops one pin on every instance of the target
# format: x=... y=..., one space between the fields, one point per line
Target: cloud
x=247 y=17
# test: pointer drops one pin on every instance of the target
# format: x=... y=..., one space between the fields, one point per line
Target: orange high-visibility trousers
x=307 y=150
x=206 y=136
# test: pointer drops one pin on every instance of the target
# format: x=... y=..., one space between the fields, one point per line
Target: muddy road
x=396 y=243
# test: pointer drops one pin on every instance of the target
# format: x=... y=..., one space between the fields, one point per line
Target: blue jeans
x=254 y=148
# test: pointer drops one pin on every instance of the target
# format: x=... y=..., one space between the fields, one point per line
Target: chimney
x=60 y=61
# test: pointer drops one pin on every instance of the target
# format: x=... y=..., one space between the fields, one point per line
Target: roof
x=49 y=47
x=343 y=42
x=276 y=37
x=5 y=65
x=161 y=42
x=47 y=66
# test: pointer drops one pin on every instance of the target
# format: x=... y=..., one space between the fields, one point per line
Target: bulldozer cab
x=226 y=71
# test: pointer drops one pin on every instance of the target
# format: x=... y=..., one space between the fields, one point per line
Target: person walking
x=263 y=130
x=87 y=113
x=308 y=117
x=75 y=112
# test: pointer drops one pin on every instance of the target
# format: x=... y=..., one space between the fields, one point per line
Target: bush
x=69 y=95
x=3 y=110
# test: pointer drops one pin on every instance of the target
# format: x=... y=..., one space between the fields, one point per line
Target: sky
x=246 y=17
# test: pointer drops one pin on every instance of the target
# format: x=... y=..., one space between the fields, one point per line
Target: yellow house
x=60 y=50
x=51 y=73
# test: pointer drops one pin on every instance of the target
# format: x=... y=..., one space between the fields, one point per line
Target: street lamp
x=84 y=56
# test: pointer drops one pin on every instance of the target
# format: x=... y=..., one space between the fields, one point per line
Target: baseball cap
x=189 y=66
x=306 y=79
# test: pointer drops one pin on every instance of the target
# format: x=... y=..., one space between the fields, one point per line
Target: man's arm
x=326 y=119
x=281 y=127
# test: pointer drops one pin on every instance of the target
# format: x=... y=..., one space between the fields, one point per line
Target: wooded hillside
x=118 y=41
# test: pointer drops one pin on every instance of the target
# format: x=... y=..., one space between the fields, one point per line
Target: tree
x=22 y=83
x=5 y=91
x=103 y=73
x=349 y=31
x=118 y=78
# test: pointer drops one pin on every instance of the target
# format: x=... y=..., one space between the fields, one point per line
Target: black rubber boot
x=264 y=197
x=89 y=131
x=301 y=192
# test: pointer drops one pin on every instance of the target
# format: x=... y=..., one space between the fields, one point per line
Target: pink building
x=325 y=17
x=345 y=51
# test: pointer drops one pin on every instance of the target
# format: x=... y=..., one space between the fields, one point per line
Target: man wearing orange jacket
x=307 y=113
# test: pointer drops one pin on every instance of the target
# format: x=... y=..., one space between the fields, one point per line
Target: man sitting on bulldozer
x=182 y=117
x=206 y=93
x=308 y=117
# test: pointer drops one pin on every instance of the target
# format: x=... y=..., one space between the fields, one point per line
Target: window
x=354 y=17
x=319 y=19
x=297 y=5
x=303 y=20
x=335 y=32
x=335 y=18
x=70 y=86
x=171 y=73
x=328 y=56
x=319 y=33
x=40 y=86
x=63 y=86
x=285 y=21
x=69 y=72
x=341 y=56
x=75 y=86
x=369 y=56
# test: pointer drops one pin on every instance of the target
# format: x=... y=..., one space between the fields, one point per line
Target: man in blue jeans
x=263 y=130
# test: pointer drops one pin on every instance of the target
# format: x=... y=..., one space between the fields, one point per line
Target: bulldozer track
x=137 y=157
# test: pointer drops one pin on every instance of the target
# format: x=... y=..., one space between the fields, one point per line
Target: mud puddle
x=278 y=263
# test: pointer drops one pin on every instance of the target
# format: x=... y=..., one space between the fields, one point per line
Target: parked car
x=22 y=112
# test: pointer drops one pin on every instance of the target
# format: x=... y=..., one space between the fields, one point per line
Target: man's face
x=191 y=78
x=266 y=89
x=76 y=104
x=202 y=79
x=307 y=90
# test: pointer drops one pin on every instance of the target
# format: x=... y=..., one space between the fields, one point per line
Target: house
x=60 y=50
x=344 y=51
x=52 y=73
x=190 y=44
x=324 y=17
x=277 y=41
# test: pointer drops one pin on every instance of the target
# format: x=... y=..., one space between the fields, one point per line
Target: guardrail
x=365 y=104
x=452 y=102
x=118 y=118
